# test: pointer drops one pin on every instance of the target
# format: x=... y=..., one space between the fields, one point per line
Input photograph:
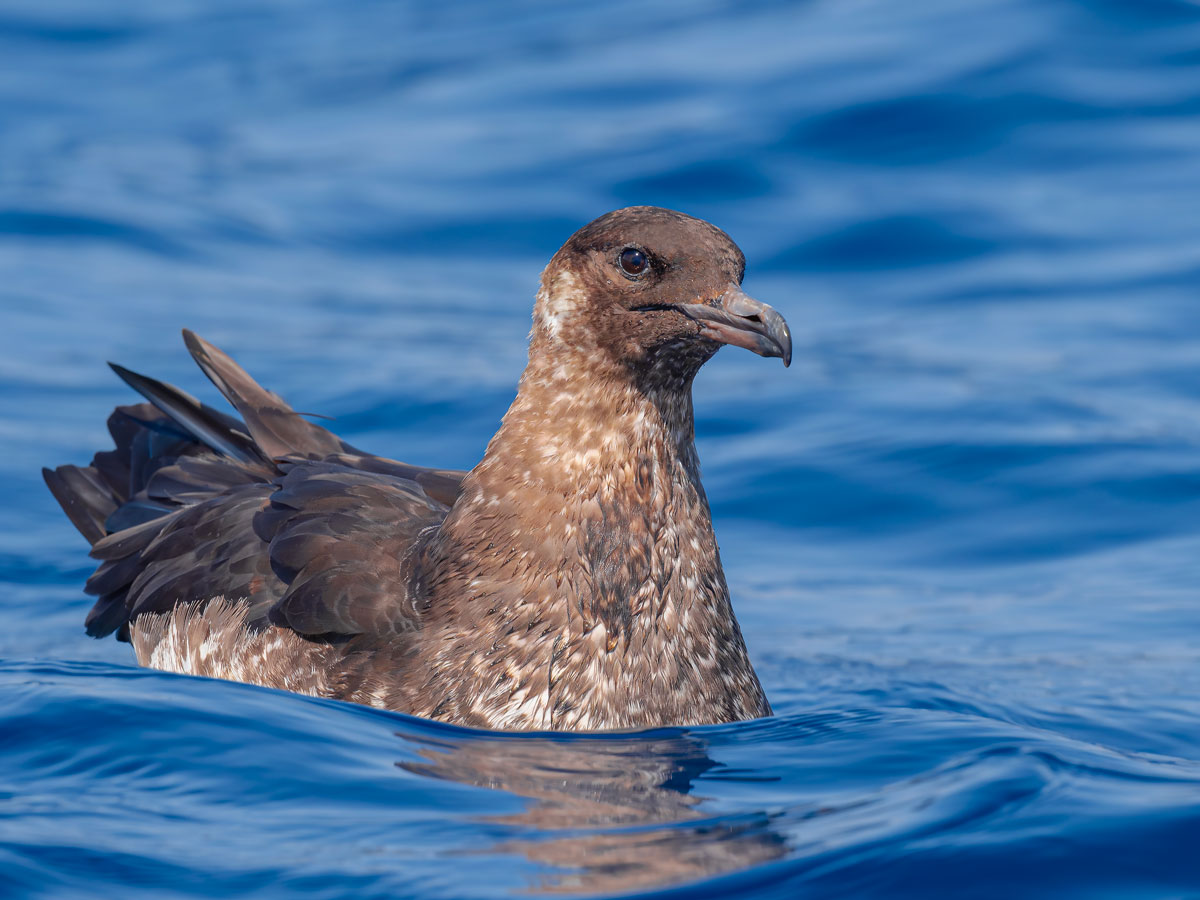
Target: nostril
x=754 y=318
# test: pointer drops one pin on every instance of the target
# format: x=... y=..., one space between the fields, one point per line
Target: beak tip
x=744 y=322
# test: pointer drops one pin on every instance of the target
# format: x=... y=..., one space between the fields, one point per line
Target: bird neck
x=582 y=544
x=578 y=416
x=586 y=449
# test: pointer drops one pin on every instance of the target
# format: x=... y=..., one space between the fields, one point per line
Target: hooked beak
x=744 y=322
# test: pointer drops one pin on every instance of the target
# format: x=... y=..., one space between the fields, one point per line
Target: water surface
x=962 y=531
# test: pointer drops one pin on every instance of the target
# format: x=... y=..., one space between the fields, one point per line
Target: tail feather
x=158 y=442
x=277 y=429
x=171 y=456
x=132 y=513
x=205 y=424
x=120 y=544
x=107 y=615
x=113 y=576
x=84 y=496
x=113 y=465
x=128 y=426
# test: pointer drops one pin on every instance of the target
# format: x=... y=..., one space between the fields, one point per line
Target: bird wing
x=346 y=540
x=270 y=510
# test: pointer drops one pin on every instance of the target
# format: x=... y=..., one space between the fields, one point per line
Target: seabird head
x=651 y=286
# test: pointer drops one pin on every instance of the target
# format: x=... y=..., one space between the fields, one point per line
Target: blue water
x=962 y=531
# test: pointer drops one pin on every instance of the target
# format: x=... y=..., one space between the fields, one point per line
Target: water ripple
x=962 y=531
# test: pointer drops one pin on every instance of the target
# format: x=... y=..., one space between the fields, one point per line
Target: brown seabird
x=570 y=581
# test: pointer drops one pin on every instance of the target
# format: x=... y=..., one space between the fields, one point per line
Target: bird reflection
x=605 y=814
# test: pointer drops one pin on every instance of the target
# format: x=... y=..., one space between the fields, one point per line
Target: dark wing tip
x=275 y=427
x=207 y=426
x=86 y=502
x=193 y=341
x=130 y=377
x=202 y=351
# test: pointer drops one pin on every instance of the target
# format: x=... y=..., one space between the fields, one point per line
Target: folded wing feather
x=272 y=512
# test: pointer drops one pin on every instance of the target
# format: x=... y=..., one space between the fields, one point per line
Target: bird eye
x=633 y=261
